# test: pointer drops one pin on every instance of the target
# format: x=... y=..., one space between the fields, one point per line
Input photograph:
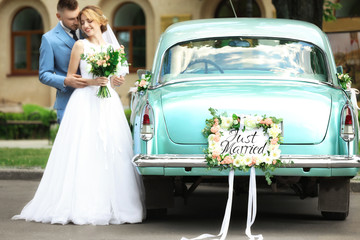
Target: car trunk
x=304 y=107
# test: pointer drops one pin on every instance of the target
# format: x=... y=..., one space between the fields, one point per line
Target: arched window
x=26 y=32
x=129 y=27
x=243 y=8
x=350 y=8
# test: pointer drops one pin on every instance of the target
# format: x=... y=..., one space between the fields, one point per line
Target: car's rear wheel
x=334 y=197
x=156 y=213
x=335 y=215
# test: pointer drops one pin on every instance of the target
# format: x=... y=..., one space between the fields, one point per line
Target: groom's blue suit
x=55 y=51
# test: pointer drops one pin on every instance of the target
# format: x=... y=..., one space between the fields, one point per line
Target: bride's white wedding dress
x=89 y=177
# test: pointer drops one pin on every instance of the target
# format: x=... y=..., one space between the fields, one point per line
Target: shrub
x=25 y=131
x=34 y=112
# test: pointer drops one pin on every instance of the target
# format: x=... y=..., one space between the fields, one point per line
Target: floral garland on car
x=143 y=83
x=345 y=80
x=267 y=161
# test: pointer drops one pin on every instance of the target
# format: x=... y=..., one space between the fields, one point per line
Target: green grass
x=24 y=157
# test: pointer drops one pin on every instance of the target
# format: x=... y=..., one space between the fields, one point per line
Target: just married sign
x=248 y=142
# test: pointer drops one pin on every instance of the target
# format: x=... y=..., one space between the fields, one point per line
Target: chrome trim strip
x=290 y=161
x=214 y=78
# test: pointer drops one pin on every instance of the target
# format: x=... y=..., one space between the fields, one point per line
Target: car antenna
x=232 y=6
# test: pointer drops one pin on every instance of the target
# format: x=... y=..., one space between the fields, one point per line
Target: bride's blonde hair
x=96 y=14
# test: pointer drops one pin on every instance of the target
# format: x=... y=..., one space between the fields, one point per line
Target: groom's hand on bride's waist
x=75 y=81
x=117 y=81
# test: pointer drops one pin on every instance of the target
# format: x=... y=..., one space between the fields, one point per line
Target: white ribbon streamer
x=252 y=202
x=226 y=221
x=354 y=92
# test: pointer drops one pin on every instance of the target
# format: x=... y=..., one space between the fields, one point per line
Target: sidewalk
x=34 y=174
x=33 y=143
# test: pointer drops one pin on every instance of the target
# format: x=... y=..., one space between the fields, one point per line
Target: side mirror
x=141 y=72
x=339 y=70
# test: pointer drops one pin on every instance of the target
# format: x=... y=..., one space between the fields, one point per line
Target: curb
x=354 y=186
x=21 y=174
x=36 y=174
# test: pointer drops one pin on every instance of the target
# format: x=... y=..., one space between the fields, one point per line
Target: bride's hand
x=117 y=81
x=100 y=81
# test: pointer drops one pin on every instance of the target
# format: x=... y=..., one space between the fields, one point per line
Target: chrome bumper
x=290 y=161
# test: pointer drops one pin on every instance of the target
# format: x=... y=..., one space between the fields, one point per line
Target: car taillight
x=147 y=124
x=347 y=126
x=348 y=119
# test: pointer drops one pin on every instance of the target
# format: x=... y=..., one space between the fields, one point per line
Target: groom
x=55 y=52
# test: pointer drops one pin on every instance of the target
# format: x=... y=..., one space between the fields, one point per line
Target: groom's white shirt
x=67 y=30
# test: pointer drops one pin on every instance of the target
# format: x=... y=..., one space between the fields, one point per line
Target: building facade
x=137 y=24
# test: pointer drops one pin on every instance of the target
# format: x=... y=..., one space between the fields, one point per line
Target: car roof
x=254 y=27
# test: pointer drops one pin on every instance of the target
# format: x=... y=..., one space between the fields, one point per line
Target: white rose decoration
x=211 y=137
x=247 y=160
x=242 y=159
x=250 y=123
x=258 y=119
x=273 y=147
x=214 y=146
x=275 y=154
x=237 y=161
x=268 y=160
x=88 y=67
x=274 y=131
x=259 y=159
x=226 y=122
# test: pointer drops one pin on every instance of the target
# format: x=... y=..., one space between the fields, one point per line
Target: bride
x=89 y=177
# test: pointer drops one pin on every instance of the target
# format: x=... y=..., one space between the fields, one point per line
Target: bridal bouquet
x=104 y=64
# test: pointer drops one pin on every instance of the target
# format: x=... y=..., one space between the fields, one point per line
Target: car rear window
x=243 y=57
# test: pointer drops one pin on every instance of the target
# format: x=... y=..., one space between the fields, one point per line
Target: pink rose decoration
x=228 y=160
x=274 y=141
x=253 y=160
x=142 y=83
x=268 y=121
x=215 y=129
x=215 y=154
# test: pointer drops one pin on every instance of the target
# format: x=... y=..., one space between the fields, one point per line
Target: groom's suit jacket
x=55 y=51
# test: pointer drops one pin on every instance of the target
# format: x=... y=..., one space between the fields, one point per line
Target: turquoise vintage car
x=277 y=67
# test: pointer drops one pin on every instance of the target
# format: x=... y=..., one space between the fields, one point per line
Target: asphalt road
x=280 y=216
